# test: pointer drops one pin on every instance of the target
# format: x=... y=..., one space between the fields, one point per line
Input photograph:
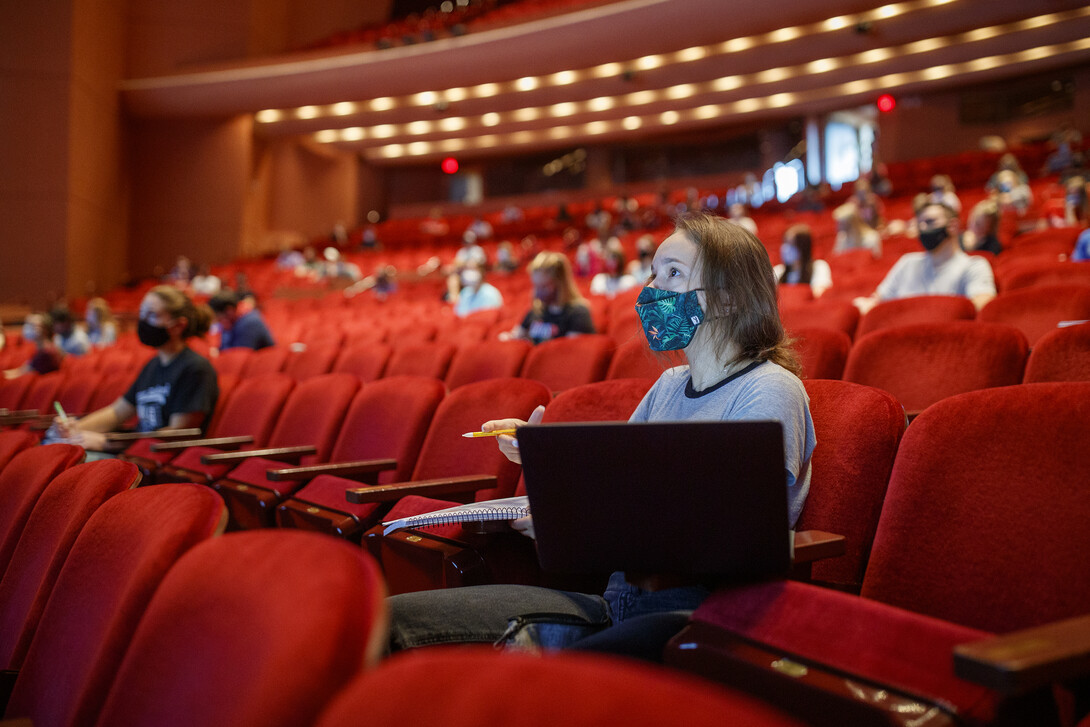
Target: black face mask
x=930 y=239
x=149 y=335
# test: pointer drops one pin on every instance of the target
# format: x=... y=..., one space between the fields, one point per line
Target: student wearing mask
x=943 y=268
x=38 y=329
x=798 y=265
x=558 y=308
x=176 y=389
x=101 y=325
x=470 y=293
x=246 y=330
x=69 y=338
x=713 y=295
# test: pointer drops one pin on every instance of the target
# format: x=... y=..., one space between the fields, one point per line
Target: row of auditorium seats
x=122 y=606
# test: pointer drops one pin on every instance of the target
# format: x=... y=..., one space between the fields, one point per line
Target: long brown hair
x=740 y=290
x=557 y=267
x=178 y=305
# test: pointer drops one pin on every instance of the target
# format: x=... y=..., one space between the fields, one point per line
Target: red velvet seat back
x=389 y=418
x=858 y=429
x=110 y=388
x=223 y=641
x=253 y=407
x=925 y=362
x=12 y=391
x=823 y=352
x=486 y=360
x=231 y=361
x=984 y=508
x=1032 y=273
x=21 y=484
x=43 y=392
x=839 y=315
x=112 y=570
x=569 y=361
x=446 y=453
x=59 y=515
x=317 y=359
x=265 y=361
x=366 y=361
x=1038 y=310
x=1063 y=355
x=431 y=359
x=919 y=309
x=635 y=360
x=313 y=413
x=474 y=686
x=12 y=443
x=76 y=390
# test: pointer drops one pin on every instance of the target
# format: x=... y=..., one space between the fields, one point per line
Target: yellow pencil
x=494 y=433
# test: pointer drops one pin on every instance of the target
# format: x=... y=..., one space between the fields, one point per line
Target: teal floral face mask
x=669 y=319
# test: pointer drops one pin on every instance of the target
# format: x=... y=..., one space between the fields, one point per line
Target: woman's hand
x=508 y=444
x=524 y=525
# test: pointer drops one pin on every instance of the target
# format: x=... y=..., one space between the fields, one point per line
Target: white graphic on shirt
x=149 y=406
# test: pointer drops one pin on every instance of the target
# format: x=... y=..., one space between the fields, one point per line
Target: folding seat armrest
x=18 y=417
x=427 y=488
x=224 y=443
x=364 y=471
x=1020 y=661
x=811 y=545
x=286 y=454
x=175 y=434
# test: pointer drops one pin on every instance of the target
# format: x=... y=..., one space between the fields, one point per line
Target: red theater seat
x=232 y=361
x=1040 y=309
x=569 y=361
x=430 y=359
x=822 y=352
x=920 y=309
x=487 y=360
x=839 y=315
x=366 y=361
x=1063 y=355
x=100 y=595
x=974 y=538
x=224 y=642
x=922 y=363
x=57 y=518
x=265 y=361
x=479 y=686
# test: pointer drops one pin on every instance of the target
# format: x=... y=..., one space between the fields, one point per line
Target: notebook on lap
x=703 y=498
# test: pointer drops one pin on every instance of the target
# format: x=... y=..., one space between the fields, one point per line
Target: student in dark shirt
x=176 y=390
x=558 y=309
x=247 y=330
x=38 y=329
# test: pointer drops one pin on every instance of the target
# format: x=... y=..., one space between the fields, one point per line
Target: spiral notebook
x=508 y=508
x=691 y=498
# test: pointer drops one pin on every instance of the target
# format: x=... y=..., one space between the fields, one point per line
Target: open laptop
x=692 y=498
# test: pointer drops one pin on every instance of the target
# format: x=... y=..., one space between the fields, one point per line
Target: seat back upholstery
x=984 y=505
x=445 y=453
x=14 y=390
x=253 y=407
x=1063 y=355
x=21 y=484
x=925 y=362
x=317 y=359
x=43 y=392
x=487 y=360
x=12 y=443
x=839 y=315
x=569 y=361
x=266 y=361
x=110 y=388
x=428 y=358
x=635 y=360
x=389 y=418
x=113 y=568
x=313 y=413
x=366 y=361
x=232 y=360
x=823 y=352
x=57 y=518
x=226 y=625
x=75 y=392
x=476 y=686
x=917 y=309
x=858 y=430
x=1038 y=310
x=1033 y=273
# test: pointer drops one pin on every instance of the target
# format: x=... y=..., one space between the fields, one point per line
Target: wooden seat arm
x=1023 y=660
x=811 y=545
x=348 y=470
x=176 y=434
x=285 y=454
x=18 y=417
x=224 y=443
x=427 y=488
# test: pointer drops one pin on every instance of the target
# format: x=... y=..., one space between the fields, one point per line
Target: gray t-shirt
x=766 y=391
x=916 y=274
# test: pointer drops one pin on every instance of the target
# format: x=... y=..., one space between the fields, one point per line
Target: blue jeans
x=525 y=616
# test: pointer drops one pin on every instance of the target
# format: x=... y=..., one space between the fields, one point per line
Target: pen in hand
x=494 y=433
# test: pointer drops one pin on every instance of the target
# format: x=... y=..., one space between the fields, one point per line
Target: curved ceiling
x=626 y=69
